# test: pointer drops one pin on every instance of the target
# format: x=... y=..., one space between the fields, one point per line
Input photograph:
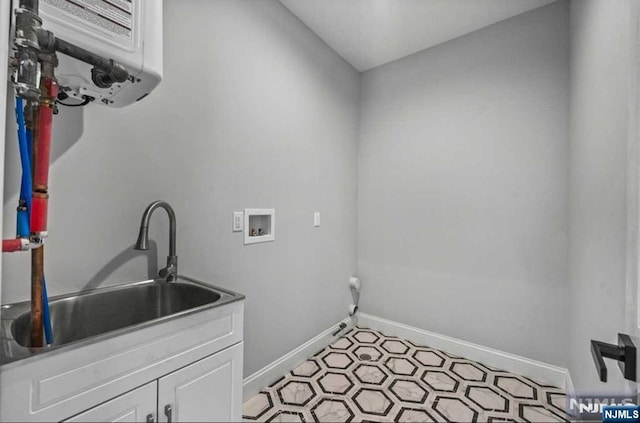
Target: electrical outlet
x=238 y=221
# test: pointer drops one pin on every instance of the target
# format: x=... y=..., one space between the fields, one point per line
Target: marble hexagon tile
x=367 y=376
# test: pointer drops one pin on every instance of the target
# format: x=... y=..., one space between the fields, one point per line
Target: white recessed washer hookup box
x=259 y=225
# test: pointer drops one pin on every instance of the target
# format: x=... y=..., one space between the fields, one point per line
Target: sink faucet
x=170 y=273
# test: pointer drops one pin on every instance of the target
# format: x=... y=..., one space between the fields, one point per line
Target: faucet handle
x=164 y=272
x=171 y=271
x=167 y=270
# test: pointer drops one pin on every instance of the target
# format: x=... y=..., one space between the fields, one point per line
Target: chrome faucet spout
x=170 y=273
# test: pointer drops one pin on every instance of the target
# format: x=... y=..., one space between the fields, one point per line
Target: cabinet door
x=139 y=405
x=209 y=390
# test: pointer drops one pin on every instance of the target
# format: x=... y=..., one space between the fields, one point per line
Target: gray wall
x=600 y=53
x=462 y=187
x=464 y=192
x=265 y=116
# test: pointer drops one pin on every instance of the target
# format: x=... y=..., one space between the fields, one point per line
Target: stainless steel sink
x=110 y=311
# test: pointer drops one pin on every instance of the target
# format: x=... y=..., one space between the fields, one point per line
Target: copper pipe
x=37 y=256
x=42 y=122
x=37 y=278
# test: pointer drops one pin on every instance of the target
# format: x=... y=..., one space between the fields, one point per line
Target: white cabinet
x=138 y=405
x=209 y=390
x=193 y=363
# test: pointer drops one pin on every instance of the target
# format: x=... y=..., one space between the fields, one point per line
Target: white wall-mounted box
x=259 y=225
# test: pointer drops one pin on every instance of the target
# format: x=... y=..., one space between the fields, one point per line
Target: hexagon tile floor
x=367 y=376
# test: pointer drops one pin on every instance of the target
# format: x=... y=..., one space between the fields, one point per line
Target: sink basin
x=90 y=314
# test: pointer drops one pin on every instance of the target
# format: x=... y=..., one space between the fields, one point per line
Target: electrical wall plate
x=259 y=225
x=238 y=222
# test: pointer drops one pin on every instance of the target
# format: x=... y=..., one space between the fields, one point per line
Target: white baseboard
x=536 y=370
x=264 y=377
x=568 y=385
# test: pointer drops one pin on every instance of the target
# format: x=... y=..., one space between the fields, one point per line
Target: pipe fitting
x=46 y=39
x=26 y=42
x=24 y=244
x=16 y=244
x=28 y=24
x=37 y=239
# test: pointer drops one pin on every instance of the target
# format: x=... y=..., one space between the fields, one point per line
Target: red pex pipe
x=39 y=212
x=39 y=206
x=13 y=245
x=43 y=147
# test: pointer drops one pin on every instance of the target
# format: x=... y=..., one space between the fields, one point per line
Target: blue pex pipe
x=46 y=316
x=25 y=144
x=22 y=224
x=24 y=216
x=30 y=142
x=25 y=159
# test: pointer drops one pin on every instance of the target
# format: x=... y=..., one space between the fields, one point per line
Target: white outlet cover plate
x=238 y=221
x=316 y=219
